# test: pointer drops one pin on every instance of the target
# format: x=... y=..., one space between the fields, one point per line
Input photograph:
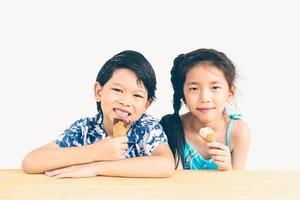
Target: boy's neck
x=107 y=127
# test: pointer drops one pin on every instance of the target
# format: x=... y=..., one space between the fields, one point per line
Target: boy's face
x=122 y=96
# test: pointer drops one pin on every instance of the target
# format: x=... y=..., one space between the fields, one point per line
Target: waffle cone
x=207 y=134
x=120 y=127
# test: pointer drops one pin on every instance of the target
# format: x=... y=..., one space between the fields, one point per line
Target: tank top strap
x=231 y=120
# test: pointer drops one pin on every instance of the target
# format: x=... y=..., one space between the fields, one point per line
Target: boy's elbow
x=169 y=172
x=168 y=167
x=28 y=166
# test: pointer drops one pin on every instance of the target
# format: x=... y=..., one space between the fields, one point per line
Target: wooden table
x=201 y=185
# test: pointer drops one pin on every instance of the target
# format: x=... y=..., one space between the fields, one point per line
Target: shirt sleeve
x=155 y=137
x=73 y=136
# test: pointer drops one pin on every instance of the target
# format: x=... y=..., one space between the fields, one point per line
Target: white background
x=51 y=52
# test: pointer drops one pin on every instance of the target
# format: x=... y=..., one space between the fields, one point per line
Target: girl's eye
x=117 y=89
x=215 y=88
x=193 y=89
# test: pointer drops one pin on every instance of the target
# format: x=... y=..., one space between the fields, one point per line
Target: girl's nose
x=205 y=96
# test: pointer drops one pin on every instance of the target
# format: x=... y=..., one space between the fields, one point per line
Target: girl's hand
x=221 y=155
x=110 y=148
x=75 y=171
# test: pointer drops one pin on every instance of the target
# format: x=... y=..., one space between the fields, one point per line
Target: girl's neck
x=194 y=124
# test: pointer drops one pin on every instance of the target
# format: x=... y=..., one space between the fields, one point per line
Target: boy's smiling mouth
x=123 y=114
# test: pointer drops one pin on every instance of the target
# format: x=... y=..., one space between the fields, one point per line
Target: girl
x=204 y=80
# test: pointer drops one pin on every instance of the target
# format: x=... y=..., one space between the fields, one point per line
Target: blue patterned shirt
x=144 y=135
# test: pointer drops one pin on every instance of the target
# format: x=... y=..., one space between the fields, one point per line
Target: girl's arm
x=240 y=143
x=51 y=156
x=159 y=164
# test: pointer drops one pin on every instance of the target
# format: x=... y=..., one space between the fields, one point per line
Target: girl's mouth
x=205 y=110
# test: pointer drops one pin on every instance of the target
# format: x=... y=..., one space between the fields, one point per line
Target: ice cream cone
x=207 y=134
x=120 y=127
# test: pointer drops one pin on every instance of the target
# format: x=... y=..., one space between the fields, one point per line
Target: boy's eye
x=214 y=88
x=138 y=96
x=117 y=89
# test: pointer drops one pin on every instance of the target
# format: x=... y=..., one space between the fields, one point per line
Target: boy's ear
x=97 y=91
x=149 y=102
x=232 y=92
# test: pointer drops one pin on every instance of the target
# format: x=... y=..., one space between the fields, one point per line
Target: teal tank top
x=191 y=159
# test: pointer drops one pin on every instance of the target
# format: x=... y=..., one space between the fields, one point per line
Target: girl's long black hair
x=182 y=64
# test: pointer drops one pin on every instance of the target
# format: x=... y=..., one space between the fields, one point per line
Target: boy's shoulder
x=89 y=121
x=147 y=124
x=147 y=120
x=87 y=126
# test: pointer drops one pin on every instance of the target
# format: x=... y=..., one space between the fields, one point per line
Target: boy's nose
x=125 y=101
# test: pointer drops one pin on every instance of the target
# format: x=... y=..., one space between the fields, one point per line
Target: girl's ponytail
x=172 y=124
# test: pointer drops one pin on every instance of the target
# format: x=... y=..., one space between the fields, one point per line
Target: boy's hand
x=110 y=148
x=75 y=171
x=221 y=155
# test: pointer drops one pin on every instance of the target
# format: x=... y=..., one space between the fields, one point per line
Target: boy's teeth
x=121 y=113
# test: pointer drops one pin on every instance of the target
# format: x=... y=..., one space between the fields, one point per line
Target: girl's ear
x=232 y=92
x=98 y=91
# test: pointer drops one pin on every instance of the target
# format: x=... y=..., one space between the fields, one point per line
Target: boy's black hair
x=133 y=61
x=171 y=123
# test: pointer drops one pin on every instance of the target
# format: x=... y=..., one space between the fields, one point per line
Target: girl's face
x=122 y=96
x=206 y=92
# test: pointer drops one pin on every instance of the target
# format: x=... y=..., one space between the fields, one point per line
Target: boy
x=124 y=89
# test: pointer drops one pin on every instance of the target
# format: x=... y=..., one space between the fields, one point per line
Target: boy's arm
x=159 y=164
x=51 y=156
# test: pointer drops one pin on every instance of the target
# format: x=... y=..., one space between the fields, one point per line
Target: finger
x=63 y=175
x=107 y=138
x=219 y=158
x=223 y=165
x=53 y=172
x=122 y=154
x=217 y=145
x=123 y=139
x=220 y=164
x=124 y=146
x=217 y=152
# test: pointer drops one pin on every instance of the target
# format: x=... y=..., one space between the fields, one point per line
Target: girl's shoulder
x=240 y=131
